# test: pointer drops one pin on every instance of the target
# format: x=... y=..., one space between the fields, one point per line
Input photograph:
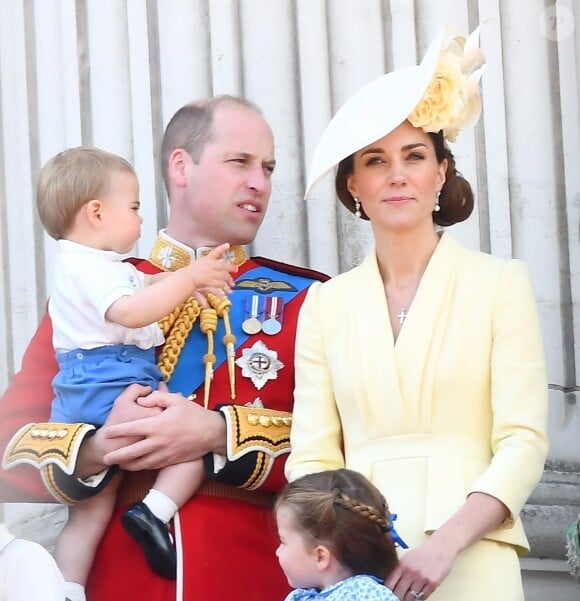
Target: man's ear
x=177 y=166
x=93 y=211
x=323 y=557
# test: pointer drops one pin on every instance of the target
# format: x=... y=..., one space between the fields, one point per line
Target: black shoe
x=153 y=537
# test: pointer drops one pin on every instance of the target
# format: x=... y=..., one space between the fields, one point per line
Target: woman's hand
x=424 y=568
x=182 y=431
x=421 y=570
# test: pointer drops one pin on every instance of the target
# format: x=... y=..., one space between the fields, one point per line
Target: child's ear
x=94 y=212
x=323 y=557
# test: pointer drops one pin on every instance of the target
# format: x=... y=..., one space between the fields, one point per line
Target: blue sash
x=190 y=370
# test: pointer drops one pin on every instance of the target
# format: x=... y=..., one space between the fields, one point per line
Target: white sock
x=161 y=505
x=74 y=591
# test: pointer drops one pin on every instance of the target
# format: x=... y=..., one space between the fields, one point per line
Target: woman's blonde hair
x=71 y=179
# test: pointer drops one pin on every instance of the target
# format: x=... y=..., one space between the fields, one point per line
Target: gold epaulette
x=46 y=443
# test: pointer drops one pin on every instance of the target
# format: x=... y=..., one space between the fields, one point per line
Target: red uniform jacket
x=225 y=536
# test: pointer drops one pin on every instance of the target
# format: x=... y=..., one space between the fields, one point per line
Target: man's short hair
x=191 y=128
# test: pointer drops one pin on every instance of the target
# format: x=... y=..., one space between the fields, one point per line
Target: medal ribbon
x=189 y=372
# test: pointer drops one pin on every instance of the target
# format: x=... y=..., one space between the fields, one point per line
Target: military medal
x=252 y=324
x=260 y=364
x=273 y=313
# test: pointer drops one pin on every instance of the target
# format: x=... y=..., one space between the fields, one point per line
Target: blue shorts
x=89 y=381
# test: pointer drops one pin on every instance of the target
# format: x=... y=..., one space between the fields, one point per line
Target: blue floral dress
x=355 y=588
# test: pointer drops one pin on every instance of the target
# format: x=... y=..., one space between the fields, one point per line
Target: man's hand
x=183 y=431
x=125 y=409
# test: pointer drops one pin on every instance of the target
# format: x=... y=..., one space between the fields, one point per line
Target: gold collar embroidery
x=169 y=255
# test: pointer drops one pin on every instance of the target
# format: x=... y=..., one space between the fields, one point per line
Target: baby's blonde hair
x=71 y=179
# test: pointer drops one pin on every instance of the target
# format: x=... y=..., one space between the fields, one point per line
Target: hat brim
x=373 y=112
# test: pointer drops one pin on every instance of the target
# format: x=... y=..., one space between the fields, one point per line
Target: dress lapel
x=420 y=339
x=372 y=353
x=396 y=380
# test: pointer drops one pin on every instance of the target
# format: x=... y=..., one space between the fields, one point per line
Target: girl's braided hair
x=344 y=511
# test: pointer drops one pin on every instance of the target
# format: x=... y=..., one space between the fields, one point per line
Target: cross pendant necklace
x=402 y=315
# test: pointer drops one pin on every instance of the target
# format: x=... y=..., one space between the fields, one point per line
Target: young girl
x=336 y=538
x=104 y=314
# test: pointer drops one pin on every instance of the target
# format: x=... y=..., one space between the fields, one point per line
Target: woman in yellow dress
x=423 y=368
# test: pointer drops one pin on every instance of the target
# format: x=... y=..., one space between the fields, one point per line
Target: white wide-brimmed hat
x=441 y=93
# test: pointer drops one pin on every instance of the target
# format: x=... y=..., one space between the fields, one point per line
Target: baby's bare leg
x=77 y=544
x=180 y=481
x=147 y=522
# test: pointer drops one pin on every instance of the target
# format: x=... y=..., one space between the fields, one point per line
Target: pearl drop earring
x=437 y=206
x=357 y=211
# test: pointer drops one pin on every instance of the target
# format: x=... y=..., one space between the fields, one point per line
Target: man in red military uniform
x=235 y=359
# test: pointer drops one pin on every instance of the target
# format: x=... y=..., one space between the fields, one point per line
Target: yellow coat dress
x=457 y=404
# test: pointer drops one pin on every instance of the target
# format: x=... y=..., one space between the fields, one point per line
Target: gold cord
x=208 y=325
x=179 y=324
x=222 y=307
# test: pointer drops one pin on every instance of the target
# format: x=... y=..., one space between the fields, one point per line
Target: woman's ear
x=351 y=186
x=442 y=173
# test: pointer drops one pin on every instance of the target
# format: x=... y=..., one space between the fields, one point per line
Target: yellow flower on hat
x=441 y=93
x=452 y=100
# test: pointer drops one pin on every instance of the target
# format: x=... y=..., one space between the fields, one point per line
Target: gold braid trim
x=49 y=479
x=44 y=443
x=167 y=322
x=260 y=473
x=260 y=434
x=251 y=429
x=168 y=256
x=179 y=324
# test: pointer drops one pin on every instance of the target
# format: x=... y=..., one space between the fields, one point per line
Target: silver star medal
x=252 y=324
x=273 y=313
x=260 y=364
